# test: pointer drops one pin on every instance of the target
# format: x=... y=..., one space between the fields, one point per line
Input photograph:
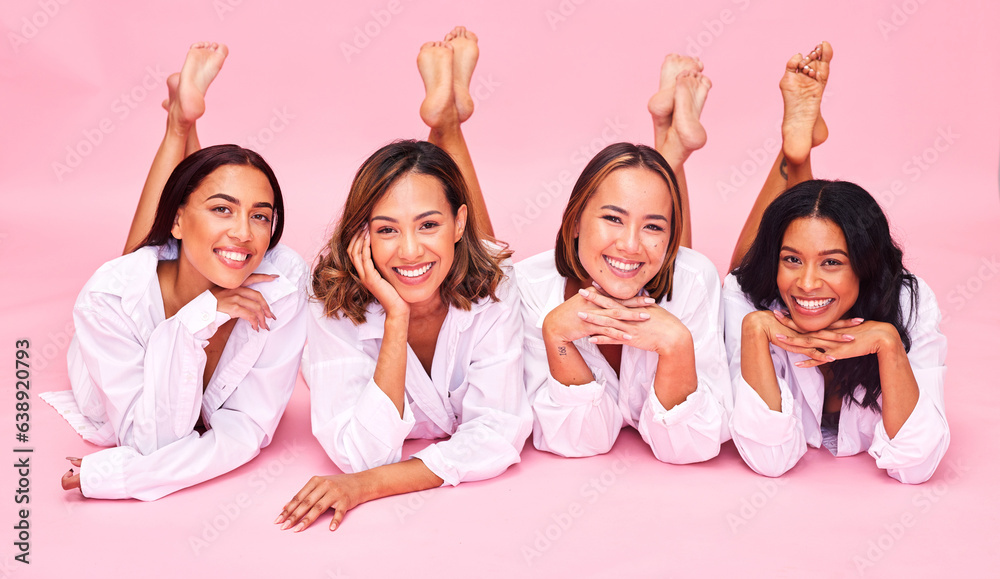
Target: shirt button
x=204 y=316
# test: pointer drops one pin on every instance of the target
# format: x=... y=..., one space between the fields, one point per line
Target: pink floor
x=912 y=106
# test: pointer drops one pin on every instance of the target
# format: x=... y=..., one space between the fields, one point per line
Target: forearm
x=566 y=364
x=676 y=373
x=758 y=368
x=398 y=478
x=899 y=386
x=390 y=367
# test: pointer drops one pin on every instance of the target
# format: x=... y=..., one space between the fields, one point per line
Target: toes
x=794 y=63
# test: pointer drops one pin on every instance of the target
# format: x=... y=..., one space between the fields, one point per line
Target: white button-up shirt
x=475 y=393
x=772 y=442
x=137 y=378
x=585 y=420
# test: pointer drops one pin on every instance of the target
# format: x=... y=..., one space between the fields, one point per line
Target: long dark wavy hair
x=189 y=174
x=476 y=271
x=875 y=259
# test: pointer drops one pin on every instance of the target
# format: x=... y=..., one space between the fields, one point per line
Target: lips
x=414 y=274
x=812 y=306
x=623 y=267
x=233 y=257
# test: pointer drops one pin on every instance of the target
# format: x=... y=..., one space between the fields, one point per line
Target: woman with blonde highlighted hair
x=416 y=325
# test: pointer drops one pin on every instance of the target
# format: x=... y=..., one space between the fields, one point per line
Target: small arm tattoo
x=562 y=350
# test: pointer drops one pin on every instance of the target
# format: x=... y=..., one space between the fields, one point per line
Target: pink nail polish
x=781 y=337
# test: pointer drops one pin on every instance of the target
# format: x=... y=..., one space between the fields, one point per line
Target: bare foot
x=661 y=104
x=802 y=91
x=435 y=65
x=172 y=81
x=204 y=61
x=823 y=53
x=686 y=133
x=466 y=50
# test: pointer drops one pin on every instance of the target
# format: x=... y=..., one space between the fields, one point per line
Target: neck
x=432 y=308
x=180 y=283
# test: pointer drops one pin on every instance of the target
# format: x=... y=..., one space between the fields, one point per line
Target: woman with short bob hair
x=831 y=340
x=187 y=347
x=415 y=329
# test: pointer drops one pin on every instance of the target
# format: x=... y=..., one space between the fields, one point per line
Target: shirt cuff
x=581 y=395
x=102 y=474
x=381 y=418
x=752 y=419
x=201 y=317
x=680 y=413
x=435 y=461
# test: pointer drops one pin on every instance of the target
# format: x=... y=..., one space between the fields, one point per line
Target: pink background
x=911 y=79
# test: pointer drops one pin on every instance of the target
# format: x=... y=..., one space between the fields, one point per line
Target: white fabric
x=585 y=420
x=475 y=393
x=137 y=378
x=773 y=442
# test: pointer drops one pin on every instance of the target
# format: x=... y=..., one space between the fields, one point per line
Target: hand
x=70 y=480
x=360 y=251
x=340 y=492
x=246 y=303
x=656 y=330
x=843 y=339
x=569 y=320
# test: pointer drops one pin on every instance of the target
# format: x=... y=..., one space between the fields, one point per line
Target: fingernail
x=650 y=300
x=800 y=364
x=781 y=336
x=584 y=293
x=644 y=315
x=333 y=526
x=597 y=285
x=858 y=320
x=831 y=359
x=583 y=315
x=299 y=527
x=286 y=525
x=778 y=314
x=626 y=336
x=278 y=520
x=848 y=337
x=72 y=458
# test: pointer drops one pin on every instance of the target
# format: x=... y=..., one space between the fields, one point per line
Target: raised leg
x=185 y=105
x=802 y=129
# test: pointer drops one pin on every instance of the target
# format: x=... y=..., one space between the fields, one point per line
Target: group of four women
x=187 y=347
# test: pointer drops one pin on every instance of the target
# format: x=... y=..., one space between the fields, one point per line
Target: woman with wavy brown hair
x=416 y=327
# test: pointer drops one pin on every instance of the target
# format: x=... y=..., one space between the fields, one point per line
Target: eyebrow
x=623 y=212
x=417 y=218
x=826 y=252
x=236 y=201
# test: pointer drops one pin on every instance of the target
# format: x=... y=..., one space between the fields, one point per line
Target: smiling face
x=815 y=277
x=624 y=231
x=413 y=237
x=225 y=227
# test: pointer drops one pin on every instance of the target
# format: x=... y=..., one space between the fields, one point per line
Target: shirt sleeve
x=352 y=418
x=574 y=421
x=694 y=430
x=914 y=453
x=495 y=415
x=244 y=423
x=150 y=391
x=770 y=442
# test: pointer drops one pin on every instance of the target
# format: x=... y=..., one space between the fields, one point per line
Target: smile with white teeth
x=233 y=255
x=413 y=272
x=813 y=304
x=621 y=265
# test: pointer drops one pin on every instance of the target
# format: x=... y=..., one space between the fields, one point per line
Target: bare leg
x=186 y=104
x=192 y=144
x=677 y=131
x=802 y=128
x=441 y=65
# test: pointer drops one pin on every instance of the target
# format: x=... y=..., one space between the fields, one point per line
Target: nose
x=409 y=246
x=628 y=241
x=241 y=229
x=810 y=279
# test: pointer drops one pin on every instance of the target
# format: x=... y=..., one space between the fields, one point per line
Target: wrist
x=890 y=345
x=677 y=342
